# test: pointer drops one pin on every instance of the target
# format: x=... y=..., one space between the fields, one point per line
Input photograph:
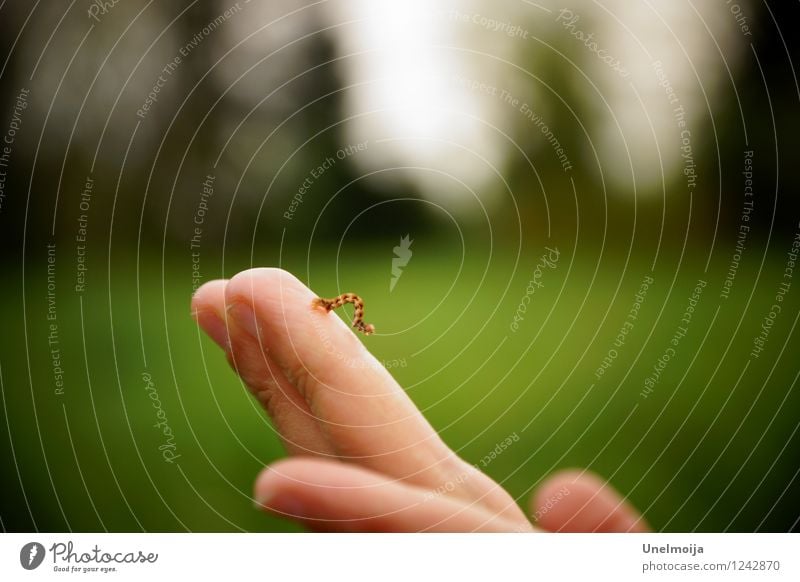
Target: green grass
x=713 y=447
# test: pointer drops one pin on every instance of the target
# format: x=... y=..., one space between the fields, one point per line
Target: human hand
x=362 y=456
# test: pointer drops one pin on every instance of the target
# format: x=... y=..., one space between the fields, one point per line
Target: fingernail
x=215 y=328
x=244 y=317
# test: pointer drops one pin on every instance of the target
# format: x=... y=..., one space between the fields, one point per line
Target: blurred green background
x=713 y=447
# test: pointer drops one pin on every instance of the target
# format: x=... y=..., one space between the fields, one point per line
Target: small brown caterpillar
x=358 y=313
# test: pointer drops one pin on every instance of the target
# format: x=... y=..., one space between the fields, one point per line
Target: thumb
x=328 y=495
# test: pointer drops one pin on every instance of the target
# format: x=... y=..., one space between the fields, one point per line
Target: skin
x=361 y=455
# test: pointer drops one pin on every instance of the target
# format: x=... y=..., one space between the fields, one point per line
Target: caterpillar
x=358 y=313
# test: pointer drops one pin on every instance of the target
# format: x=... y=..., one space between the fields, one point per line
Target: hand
x=362 y=457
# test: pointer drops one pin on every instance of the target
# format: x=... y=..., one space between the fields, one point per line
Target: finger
x=579 y=501
x=288 y=410
x=365 y=414
x=334 y=496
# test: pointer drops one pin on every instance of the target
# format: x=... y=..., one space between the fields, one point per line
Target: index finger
x=365 y=413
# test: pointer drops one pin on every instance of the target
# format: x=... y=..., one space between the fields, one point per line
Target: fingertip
x=210 y=295
x=294 y=472
x=278 y=503
x=304 y=340
x=266 y=487
x=208 y=303
x=288 y=486
x=574 y=500
x=262 y=282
